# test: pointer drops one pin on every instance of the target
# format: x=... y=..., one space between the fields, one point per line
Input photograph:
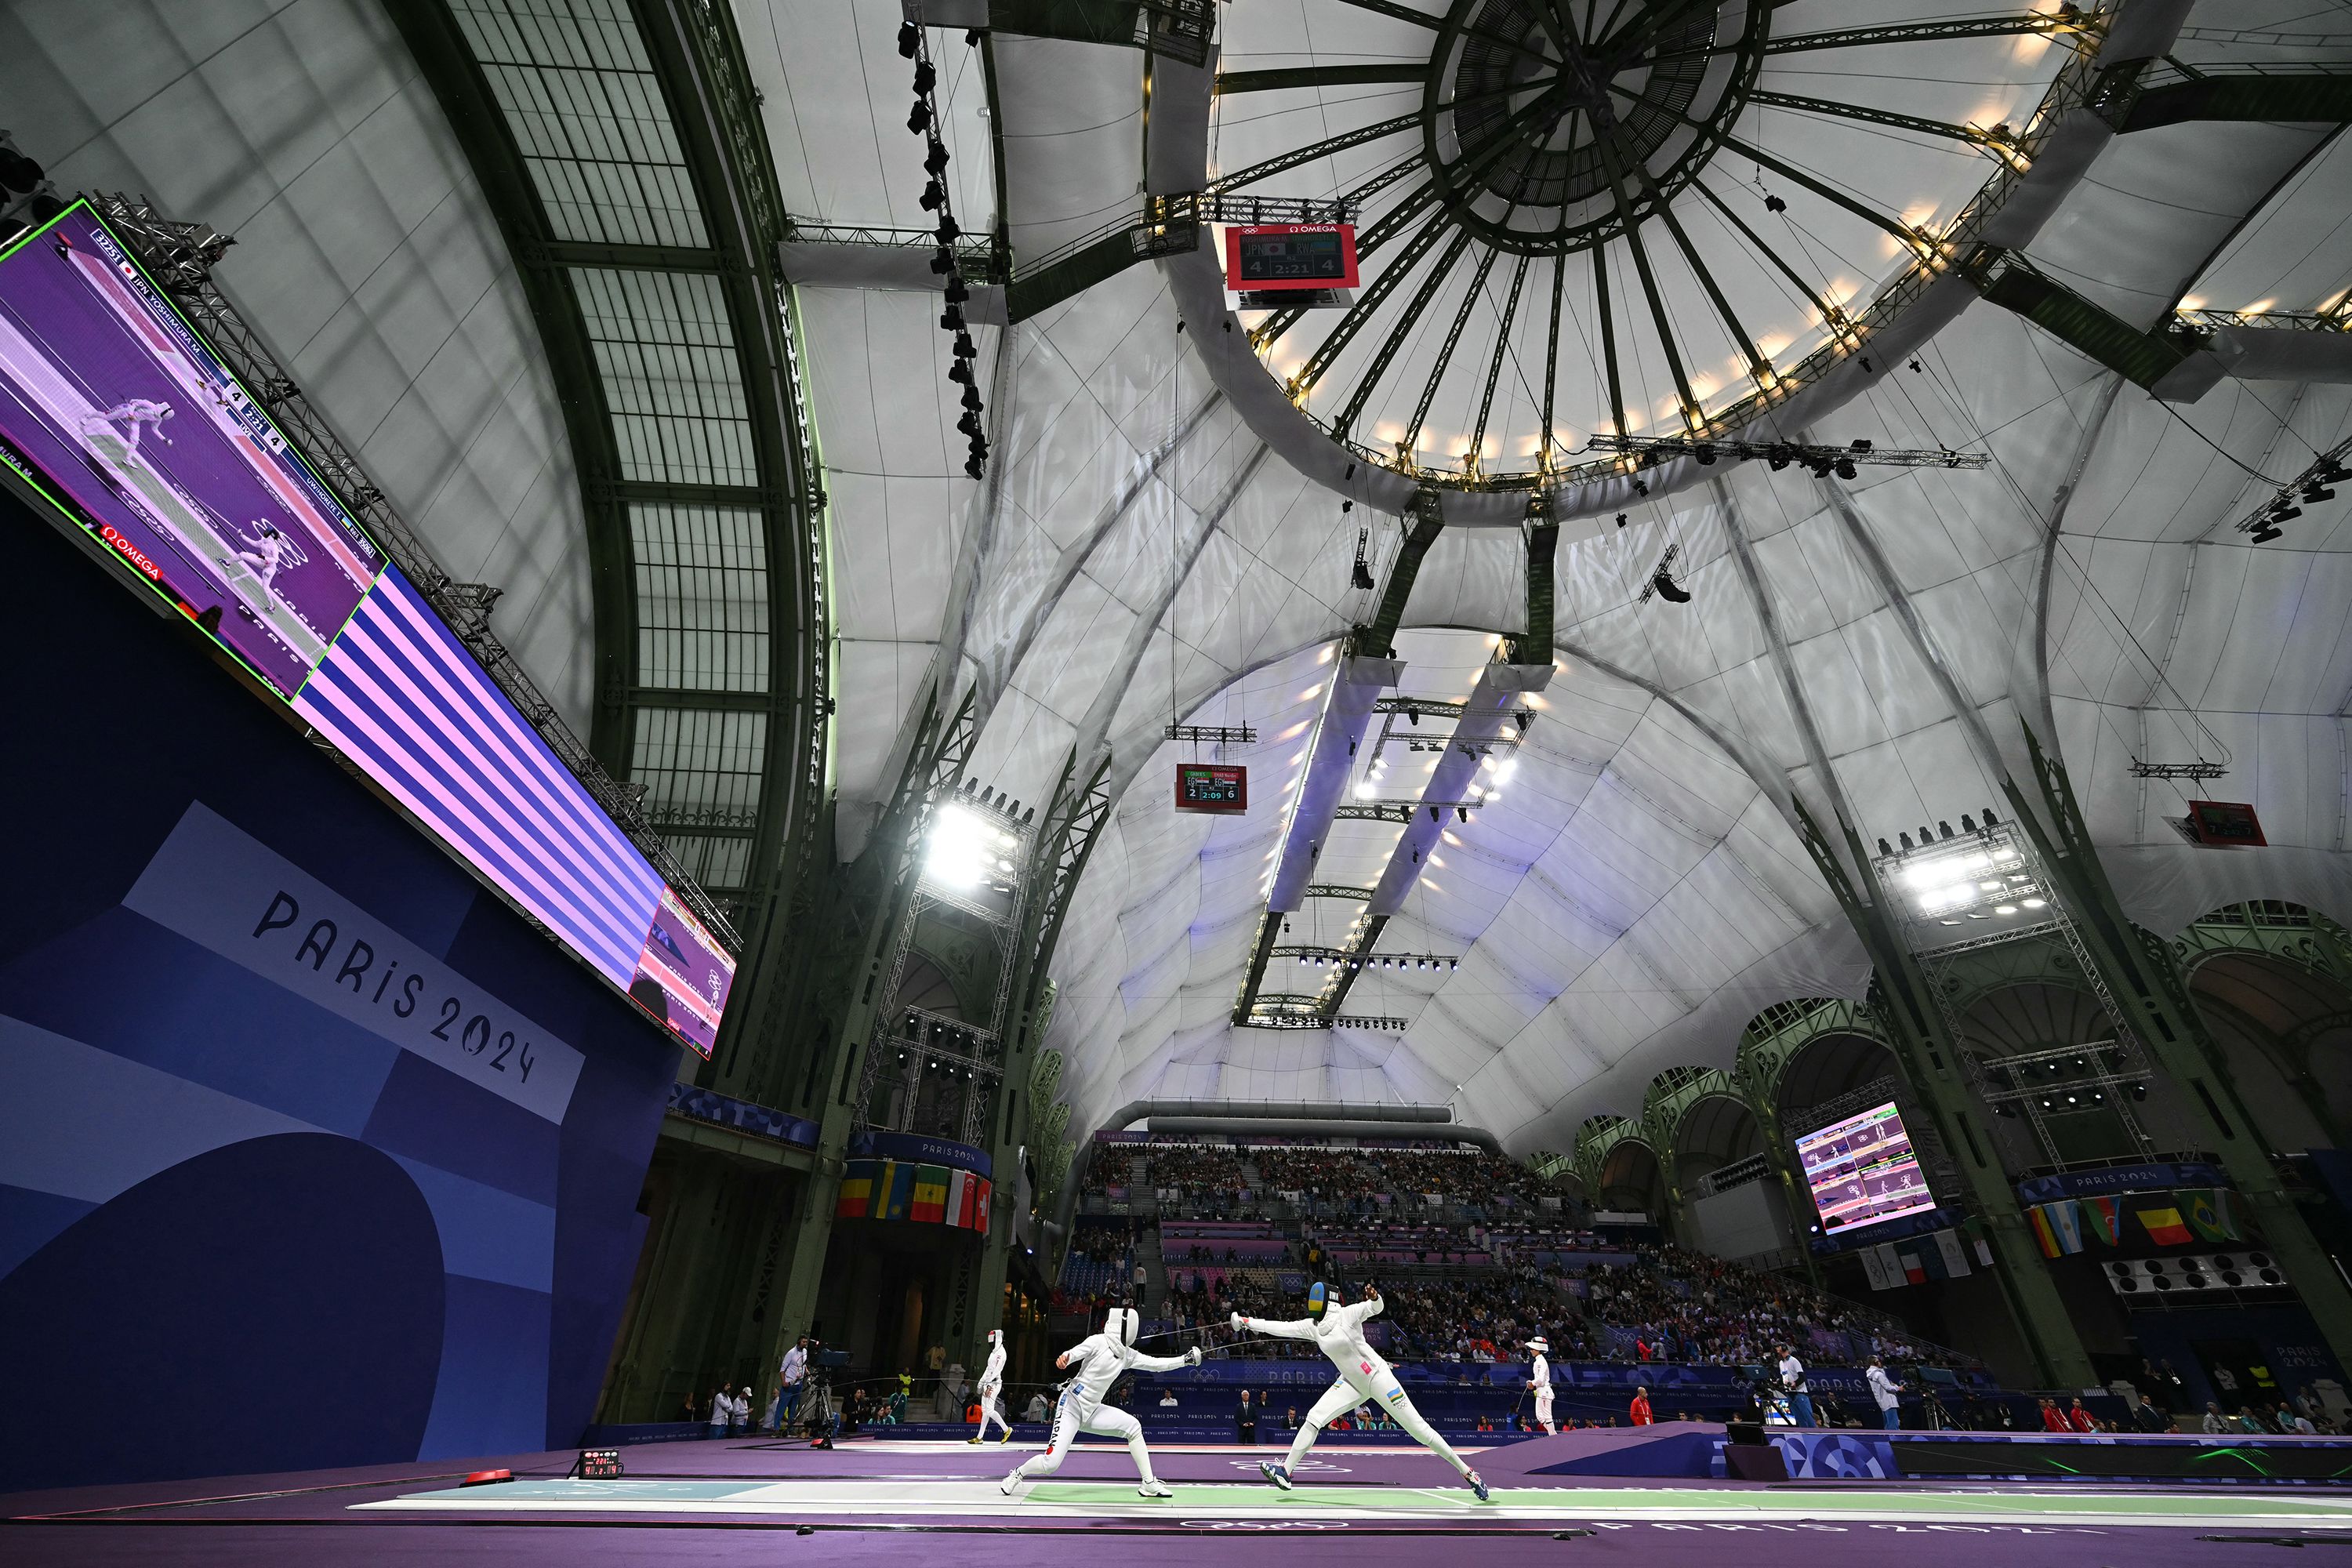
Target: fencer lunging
x=1539 y=1380
x=1097 y=1361
x=1337 y=1330
x=992 y=1390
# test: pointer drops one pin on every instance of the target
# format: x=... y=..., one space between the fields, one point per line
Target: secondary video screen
x=1862 y=1171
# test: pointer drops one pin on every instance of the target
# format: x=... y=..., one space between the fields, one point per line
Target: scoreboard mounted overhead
x=1212 y=787
x=1286 y=255
x=2225 y=823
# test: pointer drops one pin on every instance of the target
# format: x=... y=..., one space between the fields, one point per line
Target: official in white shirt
x=1793 y=1383
x=789 y=1381
x=1883 y=1389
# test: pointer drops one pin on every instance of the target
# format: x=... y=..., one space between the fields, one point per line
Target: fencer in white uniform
x=1337 y=1330
x=1539 y=1380
x=1097 y=1362
x=992 y=1390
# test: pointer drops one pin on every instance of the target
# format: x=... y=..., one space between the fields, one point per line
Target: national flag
x=930 y=1204
x=1915 y=1272
x=894 y=1190
x=2065 y=1223
x=1874 y=1270
x=856 y=1190
x=2102 y=1221
x=2042 y=1234
x=2207 y=1210
x=2164 y=1226
x=981 y=1188
x=958 y=1185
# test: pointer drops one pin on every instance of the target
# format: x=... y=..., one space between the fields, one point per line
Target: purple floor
x=304 y=1518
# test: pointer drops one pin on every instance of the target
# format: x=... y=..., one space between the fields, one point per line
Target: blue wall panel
x=250 y=1220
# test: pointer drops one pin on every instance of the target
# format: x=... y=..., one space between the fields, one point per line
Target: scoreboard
x=1212 y=787
x=1276 y=256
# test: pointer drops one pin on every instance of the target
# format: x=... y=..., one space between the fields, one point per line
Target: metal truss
x=2199 y=770
x=1262 y=1017
x=1823 y=460
x=1334 y=890
x=1212 y=734
x=1401 y=811
x=1354 y=958
x=978 y=256
x=2310 y=487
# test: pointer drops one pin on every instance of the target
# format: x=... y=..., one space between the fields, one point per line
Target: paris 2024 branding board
x=117 y=415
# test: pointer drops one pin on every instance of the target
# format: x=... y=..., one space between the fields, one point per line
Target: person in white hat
x=1539 y=1380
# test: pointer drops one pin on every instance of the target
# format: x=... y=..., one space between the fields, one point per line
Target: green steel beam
x=1075 y=269
x=1887 y=116
x=1379 y=639
x=1931 y=1064
x=2152 y=998
x=2142 y=358
x=1288 y=77
x=2054 y=25
x=446 y=62
x=2292 y=98
x=1543 y=546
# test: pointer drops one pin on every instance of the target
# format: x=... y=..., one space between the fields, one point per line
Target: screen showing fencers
x=116 y=413
x=1862 y=1171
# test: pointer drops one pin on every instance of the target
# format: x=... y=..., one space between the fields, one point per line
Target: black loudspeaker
x=1744 y=1434
x=1762 y=1463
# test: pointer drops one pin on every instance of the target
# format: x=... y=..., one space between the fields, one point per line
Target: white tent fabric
x=1874 y=649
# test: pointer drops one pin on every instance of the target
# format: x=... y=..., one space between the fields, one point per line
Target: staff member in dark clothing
x=1245 y=1420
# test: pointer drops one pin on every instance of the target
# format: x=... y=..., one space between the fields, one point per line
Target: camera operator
x=1793 y=1382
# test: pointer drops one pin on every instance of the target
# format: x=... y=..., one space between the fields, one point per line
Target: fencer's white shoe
x=1008 y=1483
x=1278 y=1474
x=1153 y=1489
x=1477 y=1487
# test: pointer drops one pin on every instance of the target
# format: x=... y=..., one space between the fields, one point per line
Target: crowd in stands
x=1680 y=1306
x=1468 y=1281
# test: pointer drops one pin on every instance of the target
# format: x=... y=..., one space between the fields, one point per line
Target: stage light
x=907 y=39
x=960 y=846
x=927 y=77
x=918 y=119
x=2004 y=909
x=1365 y=791
x=1844 y=467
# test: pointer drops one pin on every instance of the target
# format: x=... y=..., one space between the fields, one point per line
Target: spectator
x=1641 y=1407
x=789 y=1381
x=1166 y=1398
x=1036 y=1410
x=1885 y=1390
x=722 y=1410
x=2079 y=1418
x=2215 y=1422
x=1792 y=1379
x=2053 y=1418
x=2147 y=1417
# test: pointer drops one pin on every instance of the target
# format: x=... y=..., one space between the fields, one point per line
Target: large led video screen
x=116 y=413
x=1862 y=1171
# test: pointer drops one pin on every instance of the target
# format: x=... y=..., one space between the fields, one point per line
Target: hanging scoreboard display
x=1212 y=787
x=1282 y=256
x=2226 y=823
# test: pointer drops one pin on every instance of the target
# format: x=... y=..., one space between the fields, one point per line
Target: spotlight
x=1968 y=823
x=943 y=261
x=969 y=424
x=1905 y=837
x=935 y=160
x=1884 y=848
x=2285 y=513
x=949 y=228
x=1704 y=453
x=951 y=319
x=1943 y=829
x=957 y=292
x=907 y=39
x=918 y=119
x=1774 y=205
x=963 y=348
x=2265 y=533
x=1991 y=820
x=1845 y=468
x=972 y=466
x=927 y=77
x=959 y=370
x=971 y=397
x=2314 y=493
x=933 y=194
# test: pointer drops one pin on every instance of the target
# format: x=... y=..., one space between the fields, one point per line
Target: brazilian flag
x=2207 y=1210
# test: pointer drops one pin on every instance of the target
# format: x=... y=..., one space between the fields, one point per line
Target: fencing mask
x=1540 y=1345
x=1122 y=1325
x=1318 y=1296
x=995 y=1338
